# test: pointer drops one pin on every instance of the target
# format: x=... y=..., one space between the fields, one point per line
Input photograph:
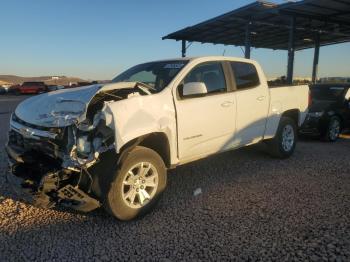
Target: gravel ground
x=251 y=208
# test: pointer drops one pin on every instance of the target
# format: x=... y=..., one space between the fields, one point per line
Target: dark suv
x=329 y=111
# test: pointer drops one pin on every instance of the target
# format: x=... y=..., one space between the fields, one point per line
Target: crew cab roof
x=208 y=58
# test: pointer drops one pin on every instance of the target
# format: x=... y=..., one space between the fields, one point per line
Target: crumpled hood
x=63 y=107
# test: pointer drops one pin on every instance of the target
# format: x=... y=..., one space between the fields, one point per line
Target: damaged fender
x=139 y=116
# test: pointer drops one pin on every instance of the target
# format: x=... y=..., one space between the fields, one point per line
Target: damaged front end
x=51 y=155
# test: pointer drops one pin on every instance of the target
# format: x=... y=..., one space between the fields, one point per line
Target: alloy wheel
x=288 y=138
x=140 y=185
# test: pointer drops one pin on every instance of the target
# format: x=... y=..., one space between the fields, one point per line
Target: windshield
x=155 y=74
x=327 y=93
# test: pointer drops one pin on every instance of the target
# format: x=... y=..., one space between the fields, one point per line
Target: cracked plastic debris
x=77 y=199
x=197 y=192
x=84 y=125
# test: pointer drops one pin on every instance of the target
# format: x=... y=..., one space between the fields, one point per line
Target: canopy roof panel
x=269 y=25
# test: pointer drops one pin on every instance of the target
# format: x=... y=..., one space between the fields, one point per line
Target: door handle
x=227 y=104
x=261 y=98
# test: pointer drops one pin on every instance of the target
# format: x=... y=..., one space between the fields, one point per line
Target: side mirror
x=194 y=89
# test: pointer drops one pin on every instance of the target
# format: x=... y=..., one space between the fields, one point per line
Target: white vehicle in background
x=4 y=89
x=112 y=144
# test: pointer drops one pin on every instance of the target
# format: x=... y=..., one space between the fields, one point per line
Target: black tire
x=276 y=147
x=115 y=204
x=329 y=135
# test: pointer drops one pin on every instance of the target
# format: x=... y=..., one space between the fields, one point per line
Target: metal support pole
x=316 y=58
x=247 y=41
x=291 y=51
x=183 y=50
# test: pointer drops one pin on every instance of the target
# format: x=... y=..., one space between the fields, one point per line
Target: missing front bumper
x=43 y=186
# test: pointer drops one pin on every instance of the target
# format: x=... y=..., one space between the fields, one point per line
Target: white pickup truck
x=111 y=144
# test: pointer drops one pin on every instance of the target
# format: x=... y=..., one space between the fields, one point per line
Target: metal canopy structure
x=291 y=26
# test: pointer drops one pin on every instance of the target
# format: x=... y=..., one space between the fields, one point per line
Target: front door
x=206 y=124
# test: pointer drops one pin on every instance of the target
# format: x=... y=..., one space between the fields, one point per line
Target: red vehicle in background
x=32 y=88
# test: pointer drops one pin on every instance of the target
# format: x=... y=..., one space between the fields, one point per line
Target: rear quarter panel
x=283 y=99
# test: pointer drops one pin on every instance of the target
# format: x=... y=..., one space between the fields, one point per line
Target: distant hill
x=49 y=80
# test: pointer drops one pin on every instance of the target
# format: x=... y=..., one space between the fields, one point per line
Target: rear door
x=252 y=96
x=205 y=124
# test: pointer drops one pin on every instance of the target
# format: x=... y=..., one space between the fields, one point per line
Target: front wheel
x=283 y=144
x=137 y=185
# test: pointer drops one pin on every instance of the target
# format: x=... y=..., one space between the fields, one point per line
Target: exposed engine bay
x=52 y=156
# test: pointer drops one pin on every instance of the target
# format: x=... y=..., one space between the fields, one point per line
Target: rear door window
x=245 y=75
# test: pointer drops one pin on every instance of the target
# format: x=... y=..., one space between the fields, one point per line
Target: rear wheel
x=137 y=184
x=333 y=129
x=283 y=144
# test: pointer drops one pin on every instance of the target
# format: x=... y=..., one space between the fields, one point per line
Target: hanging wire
x=190 y=43
x=243 y=52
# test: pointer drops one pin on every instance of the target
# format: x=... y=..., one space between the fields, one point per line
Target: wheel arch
x=294 y=114
x=274 y=120
x=157 y=141
x=111 y=159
